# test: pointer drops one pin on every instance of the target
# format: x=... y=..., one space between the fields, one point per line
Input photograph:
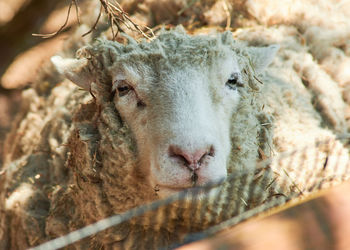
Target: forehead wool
x=170 y=50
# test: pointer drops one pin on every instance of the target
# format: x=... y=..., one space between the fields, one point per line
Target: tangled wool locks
x=155 y=118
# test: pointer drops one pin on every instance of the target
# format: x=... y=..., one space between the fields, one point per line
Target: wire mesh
x=201 y=212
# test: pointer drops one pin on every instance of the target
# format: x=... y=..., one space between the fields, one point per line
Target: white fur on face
x=180 y=114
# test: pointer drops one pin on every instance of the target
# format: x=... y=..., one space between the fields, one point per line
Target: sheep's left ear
x=74 y=69
x=261 y=57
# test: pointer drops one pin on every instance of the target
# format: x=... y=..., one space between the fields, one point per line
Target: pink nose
x=192 y=160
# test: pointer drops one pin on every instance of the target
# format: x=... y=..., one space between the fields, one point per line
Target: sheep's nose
x=192 y=160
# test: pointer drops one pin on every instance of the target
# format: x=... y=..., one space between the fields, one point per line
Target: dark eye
x=123 y=88
x=234 y=81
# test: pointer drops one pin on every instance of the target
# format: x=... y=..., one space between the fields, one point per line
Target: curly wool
x=87 y=136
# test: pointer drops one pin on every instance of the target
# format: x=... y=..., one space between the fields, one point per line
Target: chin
x=165 y=192
x=196 y=193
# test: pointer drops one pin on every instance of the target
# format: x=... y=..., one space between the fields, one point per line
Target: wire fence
x=202 y=212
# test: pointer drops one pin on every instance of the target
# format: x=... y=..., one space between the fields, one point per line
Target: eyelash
x=123 y=88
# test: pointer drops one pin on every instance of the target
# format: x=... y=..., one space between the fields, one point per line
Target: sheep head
x=177 y=94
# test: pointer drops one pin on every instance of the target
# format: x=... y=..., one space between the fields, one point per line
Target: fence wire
x=276 y=182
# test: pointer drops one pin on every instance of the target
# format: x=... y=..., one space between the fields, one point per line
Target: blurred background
x=321 y=27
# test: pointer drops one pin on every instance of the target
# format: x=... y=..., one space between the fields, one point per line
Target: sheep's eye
x=123 y=89
x=233 y=81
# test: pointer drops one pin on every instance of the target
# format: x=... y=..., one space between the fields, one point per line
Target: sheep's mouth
x=194 y=178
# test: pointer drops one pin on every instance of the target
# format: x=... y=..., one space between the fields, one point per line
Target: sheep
x=155 y=118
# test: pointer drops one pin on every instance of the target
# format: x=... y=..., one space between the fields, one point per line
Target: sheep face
x=180 y=118
x=177 y=94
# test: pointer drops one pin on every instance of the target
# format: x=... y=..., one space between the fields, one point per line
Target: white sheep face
x=178 y=109
x=181 y=122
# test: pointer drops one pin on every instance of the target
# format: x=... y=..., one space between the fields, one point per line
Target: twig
x=258 y=79
x=77 y=10
x=293 y=182
x=116 y=17
x=65 y=23
x=95 y=24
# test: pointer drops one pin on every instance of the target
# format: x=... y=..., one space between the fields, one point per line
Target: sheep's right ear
x=73 y=69
x=261 y=57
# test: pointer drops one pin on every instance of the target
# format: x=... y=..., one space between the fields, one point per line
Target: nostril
x=192 y=160
x=177 y=152
x=201 y=160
